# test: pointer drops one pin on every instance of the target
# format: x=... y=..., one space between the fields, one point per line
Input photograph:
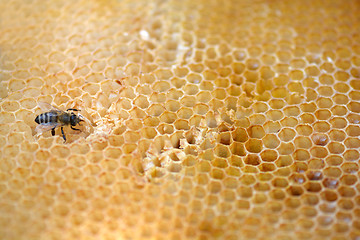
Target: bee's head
x=74 y=119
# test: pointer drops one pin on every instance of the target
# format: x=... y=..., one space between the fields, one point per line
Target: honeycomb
x=207 y=119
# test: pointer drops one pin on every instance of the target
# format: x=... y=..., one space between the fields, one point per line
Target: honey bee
x=54 y=117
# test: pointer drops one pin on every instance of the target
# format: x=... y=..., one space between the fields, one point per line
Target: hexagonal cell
x=239 y=135
x=286 y=148
x=289 y=122
x=303 y=142
x=339 y=110
x=238 y=149
x=280 y=182
x=286 y=134
x=307 y=118
x=272 y=127
x=320 y=139
x=269 y=155
x=271 y=141
x=321 y=126
x=330 y=183
x=350 y=167
x=352 y=130
x=254 y=145
x=304 y=130
x=301 y=155
x=267 y=167
x=284 y=161
x=351 y=155
x=256 y=131
x=349 y=179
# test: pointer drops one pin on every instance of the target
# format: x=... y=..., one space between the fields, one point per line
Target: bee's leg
x=72 y=109
x=80 y=120
x=75 y=128
x=53 y=131
x=62 y=131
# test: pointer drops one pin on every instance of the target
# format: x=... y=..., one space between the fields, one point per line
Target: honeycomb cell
x=286 y=134
x=256 y=132
x=254 y=145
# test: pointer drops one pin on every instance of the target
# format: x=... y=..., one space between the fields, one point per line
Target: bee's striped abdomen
x=45 y=118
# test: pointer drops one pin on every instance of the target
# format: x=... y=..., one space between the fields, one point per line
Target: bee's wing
x=48 y=107
x=46 y=127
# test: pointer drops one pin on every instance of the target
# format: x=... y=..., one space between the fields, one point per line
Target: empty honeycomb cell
x=353 y=130
x=275 y=115
x=341 y=87
x=346 y=204
x=279 y=182
x=234 y=91
x=286 y=148
x=267 y=167
x=269 y=155
x=252 y=159
x=354 y=107
x=307 y=118
x=296 y=75
x=325 y=91
x=280 y=93
x=129 y=137
x=339 y=110
x=319 y=152
x=289 y=122
x=16 y=85
x=168 y=117
x=286 y=134
x=15 y=138
x=353 y=118
x=260 y=107
x=178 y=83
x=188 y=101
x=194 y=78
x=341 y=76
x=330 y=183
x=308 y=107
x=352 y=142
x=185 y=113
x=257 y=119
x=304 y=130
x=312 y=71
x=301 y=155
x=203 y=97
x=181 y=125
x=349 y=179
x=161 y=86
x=6 y=117
x=172 y=106
x=256 y=132
x=10 y=106
x=323 y=114
x=320 y=139
x=271 y=141
x=284 y=161
x=336 y=148
x=225 y=138
x=254 y=145
x=333 y=172
x=350 y=167
x=272 y=127
x=282 y=68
